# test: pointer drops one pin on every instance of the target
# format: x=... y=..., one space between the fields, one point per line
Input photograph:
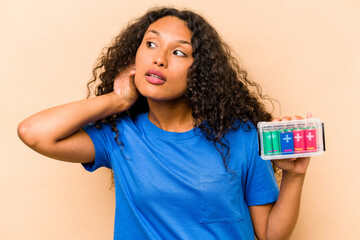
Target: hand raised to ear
x=124 y=86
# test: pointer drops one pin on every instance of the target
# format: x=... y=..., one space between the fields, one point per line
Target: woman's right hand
x=125 y=88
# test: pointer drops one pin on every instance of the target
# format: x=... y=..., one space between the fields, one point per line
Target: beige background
x=306 y=54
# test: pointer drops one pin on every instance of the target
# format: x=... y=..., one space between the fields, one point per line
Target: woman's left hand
x=293 y=165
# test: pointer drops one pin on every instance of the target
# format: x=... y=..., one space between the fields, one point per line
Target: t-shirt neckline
x=152 y=130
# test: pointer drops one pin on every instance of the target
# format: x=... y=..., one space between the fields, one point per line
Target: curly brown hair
x=219 y=92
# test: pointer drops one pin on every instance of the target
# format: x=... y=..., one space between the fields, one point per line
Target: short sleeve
x=261 y=186
x=103 y=140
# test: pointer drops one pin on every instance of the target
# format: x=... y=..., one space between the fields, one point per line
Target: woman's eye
x=179 y=53
x=150 y=44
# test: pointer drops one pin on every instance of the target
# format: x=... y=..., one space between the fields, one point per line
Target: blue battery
x=287 y=143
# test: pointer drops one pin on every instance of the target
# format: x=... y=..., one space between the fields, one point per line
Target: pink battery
x=299 y=140
x=310 y=140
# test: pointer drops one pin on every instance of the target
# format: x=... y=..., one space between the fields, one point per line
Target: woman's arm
x=278 y=220
x=57 y=133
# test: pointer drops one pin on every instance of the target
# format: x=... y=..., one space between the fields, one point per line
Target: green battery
x=267 y=143
x=276 y=146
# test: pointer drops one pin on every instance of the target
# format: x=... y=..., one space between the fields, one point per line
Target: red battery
x=310 y=140
x=299 y=140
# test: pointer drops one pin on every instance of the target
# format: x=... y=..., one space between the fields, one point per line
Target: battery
x=287 y=142
x=267 y=143
x=291 y=139
x=276 y=146
x=299 y=140
x=310 y=140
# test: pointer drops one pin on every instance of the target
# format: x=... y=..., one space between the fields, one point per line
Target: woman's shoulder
x=118 y=124
x=244 y=127
x=244 y=130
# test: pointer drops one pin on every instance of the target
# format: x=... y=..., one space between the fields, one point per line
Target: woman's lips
x=155 y=77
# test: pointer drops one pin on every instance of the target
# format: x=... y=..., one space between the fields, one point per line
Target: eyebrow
x=179 y=41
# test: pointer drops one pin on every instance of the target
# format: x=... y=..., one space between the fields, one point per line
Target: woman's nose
x=160 y=59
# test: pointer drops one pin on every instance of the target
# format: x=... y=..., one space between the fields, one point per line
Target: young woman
x=174 y=118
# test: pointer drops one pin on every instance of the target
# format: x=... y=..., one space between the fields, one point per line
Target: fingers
x=287 y=118
x=124 y=81
x=296 y=117
x=133 y=69
x=132 y=73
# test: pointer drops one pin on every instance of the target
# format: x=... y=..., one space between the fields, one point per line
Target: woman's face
x=163 y=58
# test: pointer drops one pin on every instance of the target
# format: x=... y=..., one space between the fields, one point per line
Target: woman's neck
x=172 y=116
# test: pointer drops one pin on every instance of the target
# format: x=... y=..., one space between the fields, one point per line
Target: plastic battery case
x=291 y=139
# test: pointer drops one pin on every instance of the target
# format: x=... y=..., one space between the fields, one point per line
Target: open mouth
x=155 y=76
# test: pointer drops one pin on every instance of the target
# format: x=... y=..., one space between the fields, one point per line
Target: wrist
x=288 y=174
x=118 y=103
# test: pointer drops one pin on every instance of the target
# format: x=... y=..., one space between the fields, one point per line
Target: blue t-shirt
x=172 y=185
